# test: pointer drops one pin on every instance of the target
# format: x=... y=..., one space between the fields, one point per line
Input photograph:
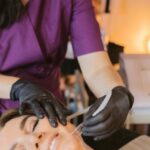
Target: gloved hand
x=111 y=118
x=41 y=101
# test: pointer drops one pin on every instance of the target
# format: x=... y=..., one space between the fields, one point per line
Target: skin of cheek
x=73 y=142
x=69 y=141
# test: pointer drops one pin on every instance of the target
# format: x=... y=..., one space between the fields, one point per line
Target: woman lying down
x=26 y=132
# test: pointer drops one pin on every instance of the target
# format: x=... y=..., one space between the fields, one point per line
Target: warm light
x=148 y=46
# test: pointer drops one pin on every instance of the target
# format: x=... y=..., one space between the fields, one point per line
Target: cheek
x=66 y=129
x=69 y=142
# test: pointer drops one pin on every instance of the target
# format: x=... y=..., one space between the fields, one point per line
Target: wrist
x=6 y=83
x=16 y=88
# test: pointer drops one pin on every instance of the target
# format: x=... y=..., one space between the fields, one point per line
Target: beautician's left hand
x=41 y=101
x=111 y=118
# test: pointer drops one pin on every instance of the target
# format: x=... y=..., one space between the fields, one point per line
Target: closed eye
x=18 y=146
x=35 y=125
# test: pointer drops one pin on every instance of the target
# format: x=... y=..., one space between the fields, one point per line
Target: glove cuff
x=16 y=87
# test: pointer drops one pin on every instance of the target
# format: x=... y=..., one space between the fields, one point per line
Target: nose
x=36 y=139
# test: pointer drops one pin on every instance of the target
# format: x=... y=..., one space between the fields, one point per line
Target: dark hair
x=11 y=114
x=10 y=11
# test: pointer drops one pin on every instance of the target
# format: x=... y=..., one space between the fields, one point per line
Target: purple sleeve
x=85 y=31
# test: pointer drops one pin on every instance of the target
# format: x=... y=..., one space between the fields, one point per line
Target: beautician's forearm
x=99 y=73
x=6 y=83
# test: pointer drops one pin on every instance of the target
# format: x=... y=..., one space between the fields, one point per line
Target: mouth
x=52 y=145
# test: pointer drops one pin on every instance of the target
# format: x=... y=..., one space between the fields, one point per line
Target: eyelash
x=35 y=125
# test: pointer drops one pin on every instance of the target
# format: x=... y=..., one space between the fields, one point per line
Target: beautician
x=33 y=41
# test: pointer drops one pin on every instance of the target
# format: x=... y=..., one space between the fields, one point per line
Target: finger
x=37 y=109
x=101 y=117
x=50 y=114
x=104 y=136
x=61 y=114
x=67 y=112
x=115 y=126
x=108 y=131
x=98 y=129
x=22 y=108
x=59 y=107
x=25 y=109
x=94 y=107
x=91 y=111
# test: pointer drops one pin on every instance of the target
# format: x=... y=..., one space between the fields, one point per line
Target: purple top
x=41 y=35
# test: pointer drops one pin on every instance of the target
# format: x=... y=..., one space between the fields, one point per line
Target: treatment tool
x=99 y=109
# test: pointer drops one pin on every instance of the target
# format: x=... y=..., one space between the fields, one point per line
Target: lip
x=51 y=141
x=53 y=144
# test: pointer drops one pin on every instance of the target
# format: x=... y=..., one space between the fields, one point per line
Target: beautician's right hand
x=41 y=101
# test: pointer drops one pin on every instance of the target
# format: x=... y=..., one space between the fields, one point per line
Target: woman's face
x=29 y=133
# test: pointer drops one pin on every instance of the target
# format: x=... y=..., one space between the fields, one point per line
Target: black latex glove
x=41 y=101
x=111 y=118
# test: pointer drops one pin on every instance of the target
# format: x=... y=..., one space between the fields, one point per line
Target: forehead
x=15 y=122
x=11 y=131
